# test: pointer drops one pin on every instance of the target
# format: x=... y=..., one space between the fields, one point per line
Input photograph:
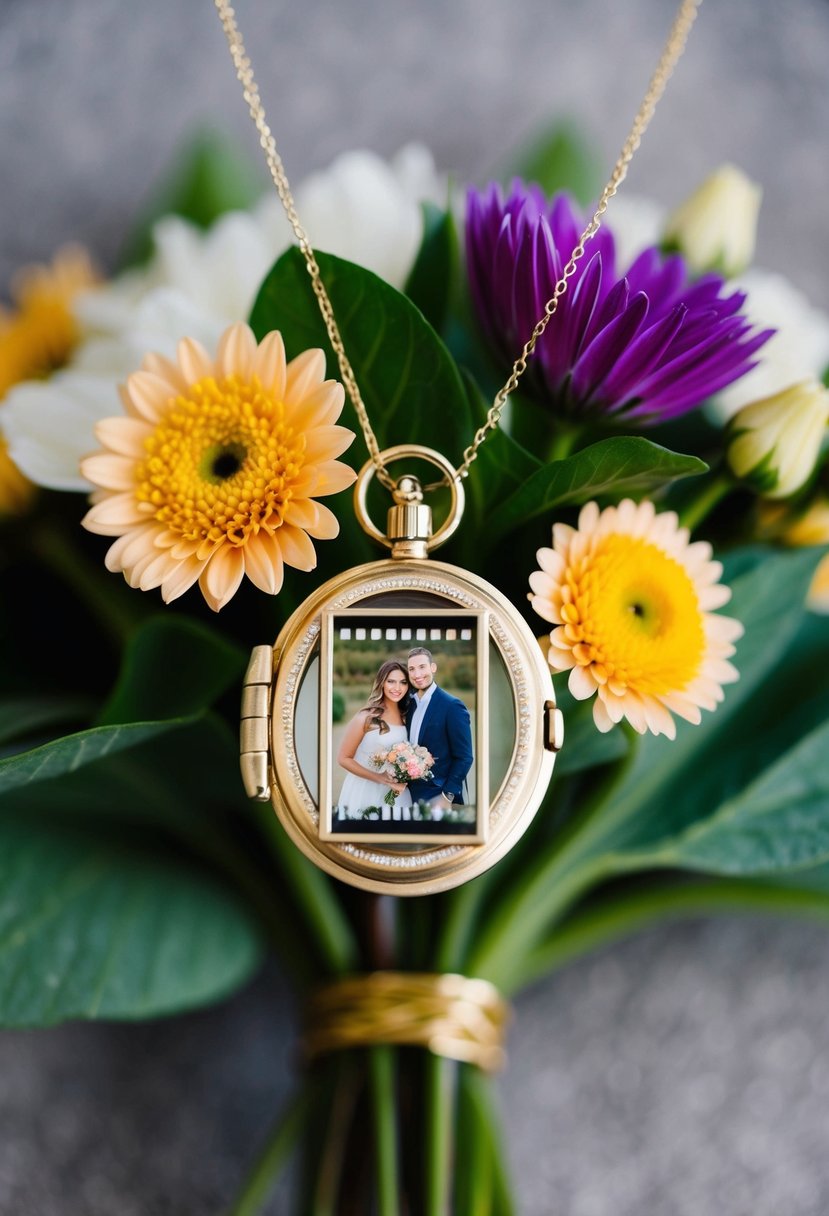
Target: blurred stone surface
x=683 y=1073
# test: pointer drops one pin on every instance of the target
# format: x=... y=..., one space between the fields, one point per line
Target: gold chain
x=668 y=60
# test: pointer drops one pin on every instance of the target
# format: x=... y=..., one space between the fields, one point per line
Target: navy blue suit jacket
x=447 y=733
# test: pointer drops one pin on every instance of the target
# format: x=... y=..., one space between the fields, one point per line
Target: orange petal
x=304 y=373
x=113 y=515
x=297 y=549
x=110 y=471
x=166 y=369
x=269 y=364
x=126 y=436
x=150 y=394
x=237 y=351
x=333 y=476
x=181 y=579
x=320 y=407
x=222 y=575
x=194 y=361
x=326 y=442
x=263 y=563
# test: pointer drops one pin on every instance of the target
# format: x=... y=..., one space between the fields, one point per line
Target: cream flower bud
x=715 y=229
x=775 y=442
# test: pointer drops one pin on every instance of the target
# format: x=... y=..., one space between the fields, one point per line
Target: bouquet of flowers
x=668 y=415
x=404 y=762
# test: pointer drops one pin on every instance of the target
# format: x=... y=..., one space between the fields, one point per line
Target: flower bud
x=775 y=442
x=715 y=228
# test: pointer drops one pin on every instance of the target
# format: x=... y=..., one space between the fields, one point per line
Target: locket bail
x=409 y=521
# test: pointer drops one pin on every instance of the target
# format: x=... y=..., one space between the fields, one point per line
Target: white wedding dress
x=359 y=794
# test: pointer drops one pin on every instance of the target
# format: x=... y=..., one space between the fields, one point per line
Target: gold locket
x=297 y=693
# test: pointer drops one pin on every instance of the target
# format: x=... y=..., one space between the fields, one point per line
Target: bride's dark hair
x=376 y=700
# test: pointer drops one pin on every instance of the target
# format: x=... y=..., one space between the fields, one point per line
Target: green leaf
x=173 y=667
x=502 y=465
x=621 y=911
x=558 y=158
x=432 y=281
x=624 y=465
x=74 y=751
x=23 y=714
x=778 y=821
x=92 y=929
x=409 y=382
x=208 y=177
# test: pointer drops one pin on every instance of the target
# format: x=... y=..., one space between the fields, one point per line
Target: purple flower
x=650 y=345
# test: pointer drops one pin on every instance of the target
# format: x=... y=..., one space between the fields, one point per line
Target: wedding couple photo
x=404 y=712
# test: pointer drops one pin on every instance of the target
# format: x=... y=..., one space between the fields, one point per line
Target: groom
x=440 y=723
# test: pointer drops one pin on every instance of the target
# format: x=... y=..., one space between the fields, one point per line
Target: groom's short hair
x=420 y=650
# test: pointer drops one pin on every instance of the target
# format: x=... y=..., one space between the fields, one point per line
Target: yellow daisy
x=213 y=472
x=632 y=603
x=36 y=338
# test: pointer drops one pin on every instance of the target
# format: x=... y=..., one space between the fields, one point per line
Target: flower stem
x=474 y=1181
x=323 y=913
x=549 y=886
x=262 y=1178
x=340 y=1111
x=381 y=1070
x=439 y=1075
x=563 y=442
x=712 y=491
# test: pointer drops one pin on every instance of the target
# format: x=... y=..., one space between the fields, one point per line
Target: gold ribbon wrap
x=450 y=1015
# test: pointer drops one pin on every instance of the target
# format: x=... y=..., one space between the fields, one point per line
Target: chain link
x=671 y=53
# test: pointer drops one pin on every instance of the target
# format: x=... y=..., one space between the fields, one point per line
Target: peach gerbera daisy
x=631 y=600
x=213 y=472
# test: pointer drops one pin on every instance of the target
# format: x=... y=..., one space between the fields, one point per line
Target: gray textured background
x=683 y=1073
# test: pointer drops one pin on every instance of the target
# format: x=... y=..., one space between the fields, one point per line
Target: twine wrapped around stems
x=450 y=1015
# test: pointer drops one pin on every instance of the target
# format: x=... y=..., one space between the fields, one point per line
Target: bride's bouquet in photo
x=404 y=762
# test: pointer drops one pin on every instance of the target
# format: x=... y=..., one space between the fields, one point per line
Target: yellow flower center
x=632 y=611
x=222 y=463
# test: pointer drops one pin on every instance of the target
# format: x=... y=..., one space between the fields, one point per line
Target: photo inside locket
x=498 y=706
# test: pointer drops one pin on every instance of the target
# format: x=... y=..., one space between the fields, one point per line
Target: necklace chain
x=671 y=53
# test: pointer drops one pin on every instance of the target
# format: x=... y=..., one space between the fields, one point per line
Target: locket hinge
x=255 y=722
x=553 y=727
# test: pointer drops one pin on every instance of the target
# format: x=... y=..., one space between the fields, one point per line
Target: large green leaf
x=75 y=751
x=91 y=928
x=172 y=667
x=432 y=281
x=777 y=822
x=409 y=382
x=21 y=715
x=208 y=178
x=627 y=464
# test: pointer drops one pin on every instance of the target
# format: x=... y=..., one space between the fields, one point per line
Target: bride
x=377 y=727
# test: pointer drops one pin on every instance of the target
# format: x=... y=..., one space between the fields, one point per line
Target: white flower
x=364 y=209
x=197 y=283
x=799 y=349
x=636 y=223
x=716 y=227
x=776 y=441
